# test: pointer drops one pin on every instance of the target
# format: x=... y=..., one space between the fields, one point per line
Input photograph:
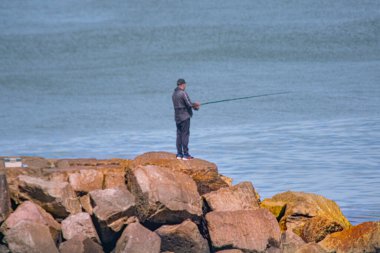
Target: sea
x=94 y=79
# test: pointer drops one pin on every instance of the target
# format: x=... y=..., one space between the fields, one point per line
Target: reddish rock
x=86 y=180
x=5 y=201
x=28 y=211
x=247 y=230
x=301 y=207
x=184 y=238
x=239 y=197
x=57 y=198
x=311 y=247
x=364 y=237
x=166 y=196
x=204 y=173
x=85 y=202
x=30 y=237
x=79 y=224
x=112 y=208
x=136 y=238
x=230 y=251
x=80 y=244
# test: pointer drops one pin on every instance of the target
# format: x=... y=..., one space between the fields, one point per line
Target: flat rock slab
x=58 y=198
x=29 y=211
x=136 y=238
x=364 y=237
x=165 y=196
x=79 y=224
x=112 y=208
x=30 y=237
x=247 y=230
x=86 y=180
x=184 y=238
x=239 y=197
x=204 y=173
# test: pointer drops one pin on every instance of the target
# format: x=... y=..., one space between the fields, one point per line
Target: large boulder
x=239 y=197
x=86 y=180
x=57 y=198
x=300 y=207
x=204 y=173
x=184 y=238
x=30 y=237
x=165 y=196
x=28 y=211
x=136 y=238
x=364 y=237
x=80 y=244
x=112 y=209
x=79 y=224
x=247 y=230
x=5 y=201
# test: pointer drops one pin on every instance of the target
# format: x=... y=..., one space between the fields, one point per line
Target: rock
x=79 y=224
x=86 y=180
x=30 y=237
x=166 y=196
x=80 y=244
x=184 y=238
x=5 y=201
x=204 y=173
x=301 y=207
x=85 y=202
x=290 y=242
x=57 y=198
x=239 y=197
x=136 y=238
x=311 y=247
x=28 y=211
x=230 y=251
x=112 y=208
x=4 y=249
x=114 y=178
x=317 y=228
x=247 y=230
x=364 y=237
x=277 y=208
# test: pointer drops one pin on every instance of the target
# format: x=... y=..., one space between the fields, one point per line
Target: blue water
x=94 y=79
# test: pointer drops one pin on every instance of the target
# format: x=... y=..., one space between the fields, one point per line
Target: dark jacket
x=182 y=105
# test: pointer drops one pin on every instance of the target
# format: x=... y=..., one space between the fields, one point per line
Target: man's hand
x=196 y=106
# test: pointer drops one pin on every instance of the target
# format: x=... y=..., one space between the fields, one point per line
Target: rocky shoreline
x=156 y=203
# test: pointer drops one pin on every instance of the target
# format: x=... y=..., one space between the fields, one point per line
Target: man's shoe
x=187 y=157
x=179 y=156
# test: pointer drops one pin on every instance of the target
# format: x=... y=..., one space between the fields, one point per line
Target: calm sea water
x=94 y=79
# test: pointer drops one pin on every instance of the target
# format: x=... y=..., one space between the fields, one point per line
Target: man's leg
x=185 y=136
x=179 y=139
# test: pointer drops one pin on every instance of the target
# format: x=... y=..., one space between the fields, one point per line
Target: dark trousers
x=183 y=134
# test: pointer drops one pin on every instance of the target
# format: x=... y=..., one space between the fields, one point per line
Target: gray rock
x=184 y=238
x=112 y=209
x=80 y=244
x=247 y=230
x=165 y=196
x=5 y=200
x=58 y=198
x=136 y=238
x=28 y=211
x=30 y=237
x=79 y=224
x=290 y=242
x=239 y=197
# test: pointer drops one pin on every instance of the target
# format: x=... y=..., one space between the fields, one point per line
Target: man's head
x=181 y=83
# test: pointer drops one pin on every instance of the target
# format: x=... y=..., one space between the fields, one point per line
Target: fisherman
x=183 y=111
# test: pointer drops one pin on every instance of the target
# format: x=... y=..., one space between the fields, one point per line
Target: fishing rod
x=255 y=96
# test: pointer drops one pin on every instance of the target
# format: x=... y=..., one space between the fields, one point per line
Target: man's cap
x=181 y=81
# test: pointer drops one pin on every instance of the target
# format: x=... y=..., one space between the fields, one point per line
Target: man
x=183 y=111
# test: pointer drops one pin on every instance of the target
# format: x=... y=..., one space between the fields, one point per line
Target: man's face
x=182 y=86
